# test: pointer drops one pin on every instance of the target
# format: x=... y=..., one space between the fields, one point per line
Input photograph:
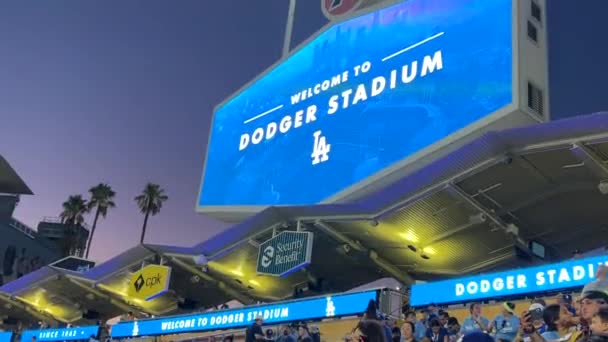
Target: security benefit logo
x=150 y=282
x=267 y=256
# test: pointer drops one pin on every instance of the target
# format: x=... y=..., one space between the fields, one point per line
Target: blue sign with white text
x=361 y=96
x=552 y=277
x=306 y=309
x=64 y=334
x=6 y=336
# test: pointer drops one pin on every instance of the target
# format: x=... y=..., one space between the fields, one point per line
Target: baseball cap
x=597 y=289
x=510 y=307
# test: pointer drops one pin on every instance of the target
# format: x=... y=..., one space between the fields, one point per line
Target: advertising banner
x=294 y=311
x=150 y=282
x=64 y=334
x=360 y=97
x=285 y=253
x=6 y=336
x=551 y=277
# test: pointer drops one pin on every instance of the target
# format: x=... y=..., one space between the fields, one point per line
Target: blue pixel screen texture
x=6 y=336
x=552 y=277
x=308 y=309
x=63 y=334
x=378 y=88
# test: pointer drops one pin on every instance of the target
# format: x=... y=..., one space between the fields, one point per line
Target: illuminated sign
x=285 y=253
x=150 y=282
x=362 y=96
x=550 y=277
x=6 y=336
x=65 y=334
x=306 y=309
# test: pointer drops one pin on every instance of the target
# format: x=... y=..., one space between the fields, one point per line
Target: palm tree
x=149 y=202
x=102 y=198
x=73 y=216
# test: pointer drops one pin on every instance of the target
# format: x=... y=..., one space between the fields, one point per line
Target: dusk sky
x=122 y=92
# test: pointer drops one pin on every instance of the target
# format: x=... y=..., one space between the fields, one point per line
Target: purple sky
x=122 y=92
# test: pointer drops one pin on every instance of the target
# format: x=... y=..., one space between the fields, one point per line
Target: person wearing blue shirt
x=506 y=325
x=475 y=322
x=419 y=327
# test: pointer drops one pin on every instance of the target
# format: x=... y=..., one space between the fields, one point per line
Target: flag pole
x=289 y=27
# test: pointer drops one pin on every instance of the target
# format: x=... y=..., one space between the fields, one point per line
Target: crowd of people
x=567 y=320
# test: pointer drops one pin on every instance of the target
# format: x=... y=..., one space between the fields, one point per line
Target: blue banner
x=64 y=334
x=552 y=277
x=360 y=97
x=6 y=336
x=306 y=309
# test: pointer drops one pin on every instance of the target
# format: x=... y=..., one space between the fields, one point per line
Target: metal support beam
x=329 y=230
x=373 y=255
x=458 y=192
x=591 y=159
x=221 y=285
x=447 y=234
x=390 y=269
x=122 y=306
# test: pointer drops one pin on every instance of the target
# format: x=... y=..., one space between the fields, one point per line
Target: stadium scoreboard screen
x=358 y=98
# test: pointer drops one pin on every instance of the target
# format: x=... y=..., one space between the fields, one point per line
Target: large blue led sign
x=552 y=277
x=6 y=336
x=64 y=334
x=360 y=97
x=306 y=309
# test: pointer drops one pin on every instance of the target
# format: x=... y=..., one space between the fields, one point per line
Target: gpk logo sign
x=148 y=282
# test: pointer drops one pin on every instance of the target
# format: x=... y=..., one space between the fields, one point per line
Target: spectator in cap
x=536 y=313
x=255 y=332
x=475 y=322
x=594 y=295
x=506 y=325
x=565 y=299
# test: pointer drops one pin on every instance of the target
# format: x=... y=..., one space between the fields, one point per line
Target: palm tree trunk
x=92 y=233
x=143 y=229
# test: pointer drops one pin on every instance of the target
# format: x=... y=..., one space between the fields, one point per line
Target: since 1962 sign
x=285 y=253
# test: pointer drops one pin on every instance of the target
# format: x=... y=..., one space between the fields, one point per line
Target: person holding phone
x=476 y=322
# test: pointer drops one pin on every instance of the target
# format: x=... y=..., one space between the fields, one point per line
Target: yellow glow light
x=410 y=236
x=254 y=282
x=237 y=272
x=429 y=250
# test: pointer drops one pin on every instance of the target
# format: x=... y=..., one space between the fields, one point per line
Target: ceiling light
x=410 y=236
x=429 y=250
x=237 y=272
x=424 y=256
x=412 y=248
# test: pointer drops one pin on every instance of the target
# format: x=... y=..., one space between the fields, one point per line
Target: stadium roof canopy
x=10 y=182
x=463 y=213
x=190 y=287
x=62 y=296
